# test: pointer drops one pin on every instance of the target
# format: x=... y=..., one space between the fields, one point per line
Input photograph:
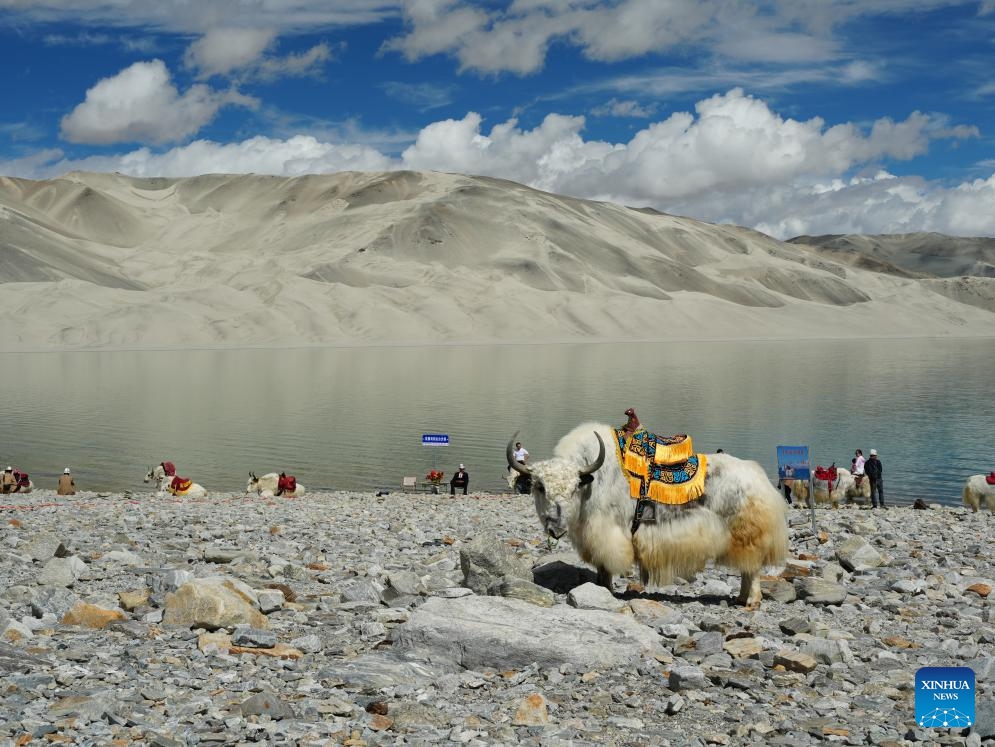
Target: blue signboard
x=435 y=439
x=792 y=463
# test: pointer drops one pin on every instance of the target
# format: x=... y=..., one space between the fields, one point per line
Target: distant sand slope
x=910 y=254
x=104 y=260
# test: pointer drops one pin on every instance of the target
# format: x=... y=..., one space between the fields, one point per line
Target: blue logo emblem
x=945 y=697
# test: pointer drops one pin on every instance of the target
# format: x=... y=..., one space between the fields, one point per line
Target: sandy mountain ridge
x=104 y=260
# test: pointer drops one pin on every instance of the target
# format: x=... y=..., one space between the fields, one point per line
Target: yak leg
x=604 y=578
x=749 y=591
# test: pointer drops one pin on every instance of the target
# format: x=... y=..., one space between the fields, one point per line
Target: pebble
x=348 y=618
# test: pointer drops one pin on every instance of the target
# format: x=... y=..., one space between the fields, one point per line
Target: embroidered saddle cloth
x=826 y=474
x=664 y=469
x=990 y=478
x=180 y=485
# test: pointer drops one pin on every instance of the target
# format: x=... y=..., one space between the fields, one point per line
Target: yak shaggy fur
x=977 y=490
x=265 y=486
x=740 y=522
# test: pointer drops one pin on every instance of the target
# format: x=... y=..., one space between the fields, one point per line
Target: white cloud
x=141 y=104
x=731 y=160
x=242 y=53
x=293 y=156
x=305 y=63
x=423 y=96
x=183 y=16
x=220 y=51
x=516 y=38
x=617 y=108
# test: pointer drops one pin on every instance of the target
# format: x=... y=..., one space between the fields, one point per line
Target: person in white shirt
x=858 y=466
x=521 y=454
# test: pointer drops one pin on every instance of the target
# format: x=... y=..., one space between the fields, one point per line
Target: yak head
x=557 y=486
x=253 y=483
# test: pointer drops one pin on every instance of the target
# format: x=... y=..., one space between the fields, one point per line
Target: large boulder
x=480 y=632
x=487 y=560
x=212 y=603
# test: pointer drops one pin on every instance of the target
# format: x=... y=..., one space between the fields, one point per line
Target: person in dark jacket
x=460 y=480
x=873 y=469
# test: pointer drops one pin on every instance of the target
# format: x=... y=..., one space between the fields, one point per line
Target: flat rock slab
x=14 y=659
x=500 y=633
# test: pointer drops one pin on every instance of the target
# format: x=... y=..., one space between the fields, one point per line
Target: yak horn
x=596 y=464
x=512 y=462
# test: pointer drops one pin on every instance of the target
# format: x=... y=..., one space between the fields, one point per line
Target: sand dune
x=104 y=260
x=910 y=254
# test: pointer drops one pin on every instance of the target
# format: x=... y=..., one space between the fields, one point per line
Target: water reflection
x=353 y=417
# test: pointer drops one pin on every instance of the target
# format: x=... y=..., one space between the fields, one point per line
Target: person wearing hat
x=7 y=480
x=460 y=480
x=67 y=485
x=873 y=470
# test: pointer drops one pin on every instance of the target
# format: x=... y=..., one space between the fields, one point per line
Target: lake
x=352 y=418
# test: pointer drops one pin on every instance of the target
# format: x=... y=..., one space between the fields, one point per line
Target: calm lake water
x=352 y=418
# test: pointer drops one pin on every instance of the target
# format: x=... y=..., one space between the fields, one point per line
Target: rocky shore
x=349 y=618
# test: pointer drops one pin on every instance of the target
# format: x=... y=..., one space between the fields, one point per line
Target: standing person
x=787 y=482
x=858 y=466
x=7 y=480
x=460 y=480
x=523 y=483
x=874 y=470
x=67 y=486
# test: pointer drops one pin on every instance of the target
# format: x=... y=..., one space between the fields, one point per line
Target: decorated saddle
x=180 y=485
x=826 y=474
x=664 y=469
x=169 y=468
x=990 y=478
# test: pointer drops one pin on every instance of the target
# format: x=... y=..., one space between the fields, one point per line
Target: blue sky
x=790 y=116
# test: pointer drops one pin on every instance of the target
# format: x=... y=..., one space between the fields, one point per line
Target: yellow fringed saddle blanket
x=180 y=485
x=662 y=468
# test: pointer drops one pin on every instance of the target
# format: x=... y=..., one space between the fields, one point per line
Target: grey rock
x=254 y=638
x=593 y=597
x=794 y=626
x=44 y=547
x=54 y=600
x=14 y=659
x=376 y=671
x=477 y=632
x=267 y=704
x=687 y=678
x=487 y=560
x=361 y=590
x=519 y=588
x=984 y=718
x=856 y=553
x=61 y=572
x=270 y=600
x=404 y=583
x=819 y=591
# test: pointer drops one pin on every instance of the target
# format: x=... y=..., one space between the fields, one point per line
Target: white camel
x=978 y=490
x=740 y=521
x=267 y=485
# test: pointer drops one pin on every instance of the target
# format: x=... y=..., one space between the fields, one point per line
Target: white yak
x=266 y=486
x=976 y=490
x=740 y=521
x=163 y=484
